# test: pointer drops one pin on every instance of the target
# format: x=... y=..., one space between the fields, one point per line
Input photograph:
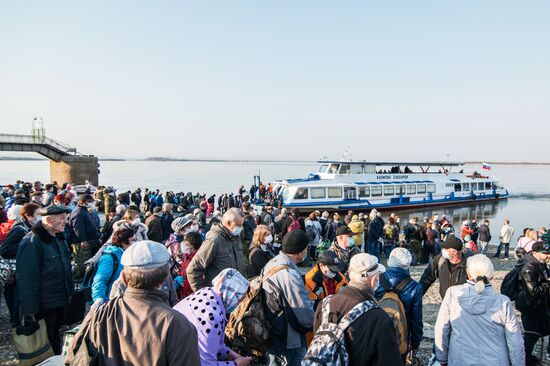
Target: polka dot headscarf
x=232 y=289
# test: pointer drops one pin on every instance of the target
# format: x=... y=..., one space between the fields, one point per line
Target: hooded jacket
x=104 y=277
x=478 y=329
x=8 y=249
x=358 y=227
x=219 y=251
x=44 y=276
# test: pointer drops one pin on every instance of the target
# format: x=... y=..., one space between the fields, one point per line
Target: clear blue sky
x=395 y=80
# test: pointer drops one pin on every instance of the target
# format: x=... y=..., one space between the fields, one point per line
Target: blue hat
x=145 y=254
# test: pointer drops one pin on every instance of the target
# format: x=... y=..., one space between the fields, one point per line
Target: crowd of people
x=185 y=279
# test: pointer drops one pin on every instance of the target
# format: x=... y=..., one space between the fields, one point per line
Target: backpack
x=311 y=232
x=393 y=306
x=389 y=232
x=511 y=284
x=247 y=330
x=90 y=271
x=328 y=345
x=294 y=225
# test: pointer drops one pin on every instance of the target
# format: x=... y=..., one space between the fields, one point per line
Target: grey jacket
x=219 y=251
x=478 y=329
x=288 y=299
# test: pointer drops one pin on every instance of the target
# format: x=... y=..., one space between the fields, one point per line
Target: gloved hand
x=28 y=326
x=178 y=282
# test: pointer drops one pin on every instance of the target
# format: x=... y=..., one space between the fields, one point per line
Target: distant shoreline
x=163 y=159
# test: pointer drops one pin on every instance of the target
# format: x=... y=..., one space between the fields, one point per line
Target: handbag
x=34 y=348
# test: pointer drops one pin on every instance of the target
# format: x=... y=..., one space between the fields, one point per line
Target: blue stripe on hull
x=362 y=204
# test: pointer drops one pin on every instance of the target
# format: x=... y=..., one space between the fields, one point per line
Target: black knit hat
x=452 y=242
x=294 y=242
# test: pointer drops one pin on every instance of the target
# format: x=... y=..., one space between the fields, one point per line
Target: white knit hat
x=400 y=257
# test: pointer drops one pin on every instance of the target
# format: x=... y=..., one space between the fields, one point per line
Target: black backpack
x=90 y=272
x=511 y=284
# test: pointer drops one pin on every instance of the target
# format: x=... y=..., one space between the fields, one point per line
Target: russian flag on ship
x=486 y=166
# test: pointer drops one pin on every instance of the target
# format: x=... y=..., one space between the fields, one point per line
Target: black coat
x=533 y=297
x=82 y=225
x=258 y=259
x=44 y=277
x=371 y=339
x=375 y=230
x=448 y=275
x=8 y=249
x=484 y=233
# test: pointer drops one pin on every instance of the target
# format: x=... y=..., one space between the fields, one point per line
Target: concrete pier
x=75 y=169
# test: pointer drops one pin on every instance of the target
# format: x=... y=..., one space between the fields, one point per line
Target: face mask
x=237 y=230
x=329 y=274
x=268 y=239
x=445 y=254
x=194 y=228
x=304 y=258
x=351 y=242
x=35 y=220
x=91 y=205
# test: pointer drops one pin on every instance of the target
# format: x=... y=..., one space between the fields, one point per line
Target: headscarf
x=233 y=288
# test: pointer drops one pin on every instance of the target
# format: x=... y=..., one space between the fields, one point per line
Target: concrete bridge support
x=75 y=169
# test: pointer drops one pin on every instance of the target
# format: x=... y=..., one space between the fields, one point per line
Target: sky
x=297 y=80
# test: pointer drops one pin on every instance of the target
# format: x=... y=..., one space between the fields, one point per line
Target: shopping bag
x=34 y=348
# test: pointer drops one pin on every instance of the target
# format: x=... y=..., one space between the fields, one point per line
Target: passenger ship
x=345 y=185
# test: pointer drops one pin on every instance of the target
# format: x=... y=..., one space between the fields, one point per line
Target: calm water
x=529 y=205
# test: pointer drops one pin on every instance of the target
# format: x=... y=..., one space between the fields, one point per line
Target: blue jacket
x=103 y=279
x=411 y=297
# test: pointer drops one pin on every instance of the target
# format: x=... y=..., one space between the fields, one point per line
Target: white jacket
x=478 y=329
x=506 y=233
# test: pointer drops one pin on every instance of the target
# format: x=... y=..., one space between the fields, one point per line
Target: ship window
x=317 y=192
x=334 y=192
x=457 y=187
x=411 y=189
x=431 y=188
x=364 y=191
x=421 y=189
x=481 y=186
x=301 y=194
x=376 y=191
x=333 y=169
x=350 y=193
x=399 y=190
x=323 y=168
x=488 y=185
x=344 y=169
x=466 y=187
x=449 y=185
x=388 y=190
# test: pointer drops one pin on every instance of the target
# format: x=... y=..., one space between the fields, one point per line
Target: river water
x=528 y=206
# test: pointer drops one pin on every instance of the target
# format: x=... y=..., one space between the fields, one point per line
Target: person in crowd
x=466 y=229
x=114 y=216
x=431 y=245
x=249 y=226
x=84 y=238
x=358 y=228
x=266 y=217
x=446 y=228
x=410 y=293
x=533 y=297
x=526 y=242
x=261 y=250
x=13 y=216
x=484 y=237
x=475 y=231
x=325 y=278
x=313 y=232
x=222 y=249
x=474 y=311
x=329 y=232
x=181 y=226
x=154 y=335
x=38 y=198
x=109 y=200
x=344 y=247
x=44 y=275
x=154 y=225
x=391 y=236
x=470 y=247
x=207 y=310
x=166 y=220
x=288 y=298
x=109 y=265
x=449 y=267
x=201 y=217
x=371 y=339
x=293 y=222
x=375 y=233
x=132 y=218
x=348 y=217
x=413 y=231
x=29 y=215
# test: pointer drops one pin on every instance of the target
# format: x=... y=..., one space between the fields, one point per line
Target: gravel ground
x=431 y=307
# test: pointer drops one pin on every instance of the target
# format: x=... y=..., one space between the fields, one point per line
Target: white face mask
x=329 y=274
x=194 y=228
x=445 y=254
x=268 y=239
